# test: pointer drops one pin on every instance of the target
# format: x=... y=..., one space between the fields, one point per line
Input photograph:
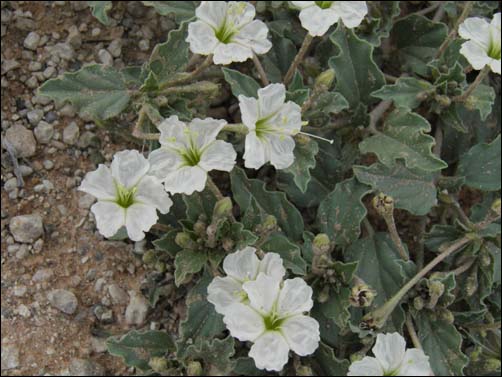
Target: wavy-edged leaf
x=379 y=21
x=441 y=235
x=404 y=137
x=325 y=363
x=481 y=166
x=407 y=92
x=305 y=160
x=215 y=354
x=278 y=60
x=182 y=10
x=251 y=195
x=200 y=203
x=413 y=191
x=289 y=252
x=357 y=75
x=186 y=263
x=482 y=100
x=341 y=212
x=323 y=106
x=241 y=83
x=97 y=91
x=100 y=10
x=136 y=347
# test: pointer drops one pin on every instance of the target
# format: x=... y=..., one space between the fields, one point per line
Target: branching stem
x=298 y=59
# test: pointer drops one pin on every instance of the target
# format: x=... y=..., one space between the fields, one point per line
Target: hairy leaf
x=305 y=154
x=482 y=100
x=216 y=354
x=407 y=92
x=100 y=10
x=182 y=10
x=241 y=83
x=188 y=262
x=325 y=362
x=289 y=252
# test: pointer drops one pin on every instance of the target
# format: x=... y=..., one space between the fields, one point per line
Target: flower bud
x=223 y=208
x=304 y=370
x=160 y=267
x=446 y=315
x=149 y=257
x=444 y=197
x=361 y=296
x=491 y=365
x=228 y=244
x=496 y=207
x=444 y=101
x=383 y=204
x=322 y=243
x=270 y=223
x=470 y=103
x=325 y=79
x=422 y=96
x=200 y=228
x=184 y=240
x=471 y=284
x=194 y=368
x=418 y=303
x=158 y=364
x=323 y=295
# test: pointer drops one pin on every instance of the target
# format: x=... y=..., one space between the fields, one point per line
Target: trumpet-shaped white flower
x=274 y=320
x=271 y=122
x=392 y=359
x=228 y=31
x=188 y=152
x=126 y=195
x=318 y=16
x=483 y=44
x=241 y=266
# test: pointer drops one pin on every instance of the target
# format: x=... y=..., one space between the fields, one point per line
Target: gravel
x=32 y=40
x=10 y=357
x=83 y=367
x=136 y=310
x=26 y=228
x=35 y=116
x=71 y=133
x=42 y=274
x=63 y=300
x=22 y=140
x=105 y=57
x=117 y=294
x=44 y=132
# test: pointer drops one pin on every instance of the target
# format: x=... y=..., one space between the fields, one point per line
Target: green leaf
x=199 y=203
x=341 y=213
x=202 y=321
x=381 y=267
x=289 y=252
x=182 y=10
x=404 y=137
x=323 y=107
x=100 y=10
x=278 y=60
x=441 y=235
x=163 y=63
x=379 y=21
x=304 y=161
x=241 y=83
x=245 y=366
x=136 y=347
x=417 y=39
x=407 y=92
x=251 y=195
x=97 y=91
x=450 y=118
x=188 y=262
x=357 y=75
x=215 y=353
x=325 y=362
x=413 y=191
x=167 y=243
x=481 y=166
x=442 y=343
x=482 y=100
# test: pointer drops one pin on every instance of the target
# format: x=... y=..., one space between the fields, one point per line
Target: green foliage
x=241 y=83
x=407 y=92
x=216 y=354
x=304 y=161
x=182 y=10
x=326 y=363
x=289 y=252
x=100 y=10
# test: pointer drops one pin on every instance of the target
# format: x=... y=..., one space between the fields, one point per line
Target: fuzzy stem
x=413 y=332
x=453 y=33
x=214 y=189
x=378 y=113
x=137 y=130
x=261 y=71
x=190 y=75
x=485 y=326
x=238 y=128
x=479 y=78
x=298 y=58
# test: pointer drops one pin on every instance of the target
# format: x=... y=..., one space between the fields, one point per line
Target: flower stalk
x=453 y=33
x=479 y=78
x=261 y=71
x=298 y=58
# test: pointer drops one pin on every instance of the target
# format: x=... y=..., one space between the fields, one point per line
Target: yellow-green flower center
x=273 y=322
x=324 y=4
x=226 y=32
x=124 y=196
x=494 y=49
x=191 y=156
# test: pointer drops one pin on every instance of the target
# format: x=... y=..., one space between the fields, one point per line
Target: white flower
x=392 y=359
x=241 y=266
x=126 y=195
x=274 y=320
x=228 y=31
x=318 y=16
x=188 y=152
x=271 y=123
x=483 y=42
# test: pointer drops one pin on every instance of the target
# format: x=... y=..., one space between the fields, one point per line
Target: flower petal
x=352 y=13
x=303 y=4
x=289 y=119
x=139 y=219
x=242 y=265
x=110 y=217
x=302 y=334
x=99 y=183
x=150 y=191
x=212 y=12
x=415 y=363
x=281 y=151
x=173 y=133
x=249 y=111
x=219 y=155
x=201 y=38
x=128 y=167
x=254 y=35
x=317 y=21
x=476 y=29
x=475 y=54
x=368 y=366
x=186 y=180
x=204 y=131
x=262 y=292
x=232 y=52
x=256 y=152
x=270 y=351
x=270 y=99
x=240 y=13
x=272 y=265
x=389 y=349
x=163 y=161
x=243 y=322
x=496 y=21
x=295 y=298
x=495 y=66
x=223 y=292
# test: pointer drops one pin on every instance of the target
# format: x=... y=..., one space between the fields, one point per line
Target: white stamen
x=331 y=141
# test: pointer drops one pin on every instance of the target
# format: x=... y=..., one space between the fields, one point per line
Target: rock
x=98 y=345
x=71 y=133
x=35 y=116
x=48 y=164
x=44 y=132
x=118 y=295
x=137 y=309
x=42 y=274
x=10 y=184
x=86 y=201
x=19 y=290
x=62 y=50
x=83 y=367
x=87 y=139
x=22 y=140
x=68 y=110
x=105 y=57
x=63 y=300
x=103 y=314
x=115 y=48
x=32 y=40
x=10 y=356
x=26 y=228
x=144 y=45
x=9 y=65
x=23 y=311
x=74 y=37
